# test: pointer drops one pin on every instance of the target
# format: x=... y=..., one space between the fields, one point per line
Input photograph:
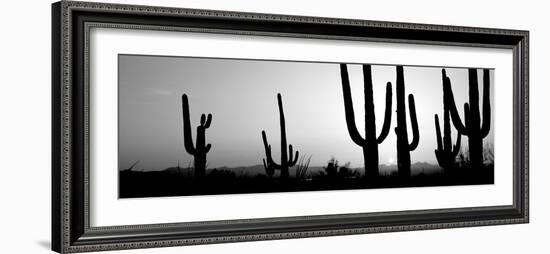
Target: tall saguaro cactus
x=370 y=142
x=403 y=146
x=200 y=150
x=472 y=127
x=287 y=159
x=446 y=152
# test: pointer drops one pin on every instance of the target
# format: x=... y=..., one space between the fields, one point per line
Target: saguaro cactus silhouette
x=446 y=152
x=403 y=146
x=200 y=150
x=472 y=127
x=269 y=169
x=370 y=142
x=287 y=159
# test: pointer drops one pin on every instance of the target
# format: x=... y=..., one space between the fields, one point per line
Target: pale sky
x=242 y=97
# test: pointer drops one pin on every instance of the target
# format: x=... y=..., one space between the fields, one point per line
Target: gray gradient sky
x=242 y=97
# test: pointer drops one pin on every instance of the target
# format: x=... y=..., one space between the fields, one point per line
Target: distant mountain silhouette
x=258 y=169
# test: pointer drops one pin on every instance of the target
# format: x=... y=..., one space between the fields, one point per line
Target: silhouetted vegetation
x=302 y=167
x=403 y=146
x=369 y=144
x=132 y=166
x=332 y=168
x=335 y=171
x=296 y=173
x=177 y=181
x=472 y=126
x=287 y=160
x=446 y=153
x=200 y=150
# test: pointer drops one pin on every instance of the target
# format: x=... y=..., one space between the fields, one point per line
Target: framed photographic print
x=182 y=126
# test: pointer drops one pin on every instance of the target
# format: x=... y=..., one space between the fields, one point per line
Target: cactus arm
x=267 y=148
x=414 y=123
x=187 y=135
x=348 y=106
x=486 y=125
x=473 y=92
x=208 y=121
x=269 y=169
x=203 y=119
x=438 y=134
x=207 y=148
x=265 y=164
x=387 y=115
x=449 y=99
x=293 y=162
x=456 y=148
x=296 y=156
x=290 y=154
x=439 y=157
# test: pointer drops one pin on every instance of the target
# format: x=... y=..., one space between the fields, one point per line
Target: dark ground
x=134 y=184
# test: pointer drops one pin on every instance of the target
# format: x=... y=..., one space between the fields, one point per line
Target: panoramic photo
x=204 y=126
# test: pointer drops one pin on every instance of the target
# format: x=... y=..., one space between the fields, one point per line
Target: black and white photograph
x=229 y=127
x=204 y=126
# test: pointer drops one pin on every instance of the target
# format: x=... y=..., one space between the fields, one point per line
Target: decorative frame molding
x=71 y=22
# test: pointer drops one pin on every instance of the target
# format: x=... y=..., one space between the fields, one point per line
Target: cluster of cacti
x=369 y=144
x=446 y=153
x=403 y=145
x=473 y=127
x=200 y=150
x=287 y=158
x=332 y=168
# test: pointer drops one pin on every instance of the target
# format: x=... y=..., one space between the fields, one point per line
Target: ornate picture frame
x=71 y=197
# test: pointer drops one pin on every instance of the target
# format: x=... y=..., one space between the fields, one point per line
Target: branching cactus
x=200 y=150
x=472 y=126
x=403 y=145
x=269 y=169
x=446 y=153
x=370 y=142
x=287 y=158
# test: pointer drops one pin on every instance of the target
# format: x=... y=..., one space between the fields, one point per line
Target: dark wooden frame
x=71 y=22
